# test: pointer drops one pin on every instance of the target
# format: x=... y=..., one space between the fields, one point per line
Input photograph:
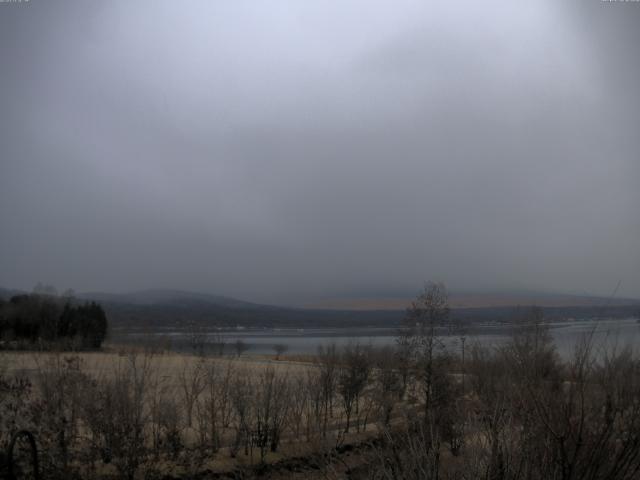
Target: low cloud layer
x=292 y=151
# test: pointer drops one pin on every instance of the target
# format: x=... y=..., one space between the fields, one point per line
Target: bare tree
x=214 y=406
x=428 y=313
x=240 y=347
x=388 y=382
x=241 y=400
x=192 y=383
x=299 y=404
x=197 y=337
x=116 y=415
x=328 y=378
x=271 y=405
x=316 y=411
x=218 y=343
x=279 y=349
x=531 y=349
x=61 y=381
x=404 y=357
x=159 y=389
x=352 y=378
x=170 y=432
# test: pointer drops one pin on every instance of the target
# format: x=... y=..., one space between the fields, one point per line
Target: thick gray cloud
x=289 y=151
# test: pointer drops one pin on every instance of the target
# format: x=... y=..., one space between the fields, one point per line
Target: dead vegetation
x=415 y=411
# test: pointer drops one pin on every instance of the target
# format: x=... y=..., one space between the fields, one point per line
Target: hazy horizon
x=356 y=301
x=286 y=152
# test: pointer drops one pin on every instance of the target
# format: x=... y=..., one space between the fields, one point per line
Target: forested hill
x=173 y=308
x=274 y=317
x=185 y=313
x=169 y=308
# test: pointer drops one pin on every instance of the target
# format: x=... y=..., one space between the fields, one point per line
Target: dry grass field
x=414 y=412
x=169 y=365
x=164 y=413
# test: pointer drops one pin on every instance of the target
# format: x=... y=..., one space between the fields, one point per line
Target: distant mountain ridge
x=167 y=296
x=156 y=296
x=475 y=300
x=161 y=309
x=159 y=296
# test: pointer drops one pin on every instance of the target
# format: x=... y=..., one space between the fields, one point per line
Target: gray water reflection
x=619 y=333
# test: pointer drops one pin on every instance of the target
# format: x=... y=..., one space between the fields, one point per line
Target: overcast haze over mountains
x=297 y=152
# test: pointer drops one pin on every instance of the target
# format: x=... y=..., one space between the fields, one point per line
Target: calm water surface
x=620 y=333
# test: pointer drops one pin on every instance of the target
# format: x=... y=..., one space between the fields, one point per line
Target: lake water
x=618 y=332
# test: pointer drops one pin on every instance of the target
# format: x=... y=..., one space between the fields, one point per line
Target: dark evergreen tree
x=44 y=318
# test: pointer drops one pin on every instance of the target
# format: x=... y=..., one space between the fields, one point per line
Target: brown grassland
x=417 y=410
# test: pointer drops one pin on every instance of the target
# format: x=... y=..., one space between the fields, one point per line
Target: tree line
x=45 y=320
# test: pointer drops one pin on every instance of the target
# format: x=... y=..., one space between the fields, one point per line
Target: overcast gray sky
x=279 y=150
